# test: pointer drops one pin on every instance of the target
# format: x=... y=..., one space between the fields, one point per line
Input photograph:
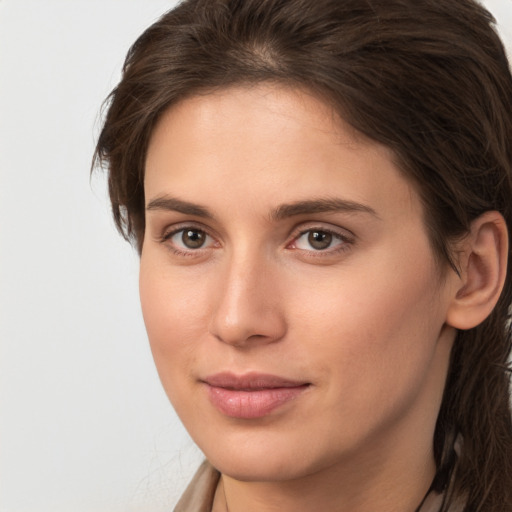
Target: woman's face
x=293 y=305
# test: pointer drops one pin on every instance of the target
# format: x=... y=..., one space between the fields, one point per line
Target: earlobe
x=483 y=267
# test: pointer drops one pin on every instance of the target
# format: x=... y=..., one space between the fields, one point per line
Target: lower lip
x=252 y=404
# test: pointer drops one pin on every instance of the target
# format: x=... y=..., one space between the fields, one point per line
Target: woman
x=320 y=192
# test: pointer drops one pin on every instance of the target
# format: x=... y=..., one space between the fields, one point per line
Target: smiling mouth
x=252 y=395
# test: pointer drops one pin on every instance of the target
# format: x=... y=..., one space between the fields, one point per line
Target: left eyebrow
x=323 y=205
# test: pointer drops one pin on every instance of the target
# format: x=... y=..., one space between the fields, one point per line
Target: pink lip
x=251 y=395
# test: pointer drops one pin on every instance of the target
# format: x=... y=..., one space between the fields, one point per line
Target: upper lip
x=251 y=381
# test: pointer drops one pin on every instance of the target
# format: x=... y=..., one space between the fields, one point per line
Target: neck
x=375 y=484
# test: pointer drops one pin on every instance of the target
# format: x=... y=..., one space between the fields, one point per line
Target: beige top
x=198 y=497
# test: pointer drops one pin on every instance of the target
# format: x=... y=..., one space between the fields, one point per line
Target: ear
x=483 y=266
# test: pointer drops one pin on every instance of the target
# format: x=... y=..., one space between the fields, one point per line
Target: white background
x=84 y=425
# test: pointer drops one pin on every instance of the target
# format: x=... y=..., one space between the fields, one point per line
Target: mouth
x=251 y=395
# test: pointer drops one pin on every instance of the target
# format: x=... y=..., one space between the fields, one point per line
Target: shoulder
x=198 y=496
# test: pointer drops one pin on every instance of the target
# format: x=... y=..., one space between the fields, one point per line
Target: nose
x=248 y=310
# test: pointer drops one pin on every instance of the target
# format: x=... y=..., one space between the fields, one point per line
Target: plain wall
x=84 y=424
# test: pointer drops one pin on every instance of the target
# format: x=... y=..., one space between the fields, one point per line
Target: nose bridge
x=245 y=310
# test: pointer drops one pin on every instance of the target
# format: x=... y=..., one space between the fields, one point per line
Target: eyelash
x=181 y=252
x=345 y=241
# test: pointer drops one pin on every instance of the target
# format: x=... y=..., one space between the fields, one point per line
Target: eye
x=318 y=240
x=189 y=239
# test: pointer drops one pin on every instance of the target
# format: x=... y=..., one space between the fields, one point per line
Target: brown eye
x=189 y=241
x=193 y=238
x=319 y=240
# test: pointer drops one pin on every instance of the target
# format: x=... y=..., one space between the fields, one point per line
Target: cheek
x=376 y=327
x=175 y=316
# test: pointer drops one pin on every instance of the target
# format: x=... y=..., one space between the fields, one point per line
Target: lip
x=252 y=395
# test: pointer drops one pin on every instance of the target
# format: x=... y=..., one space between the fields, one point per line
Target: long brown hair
x=427 y=78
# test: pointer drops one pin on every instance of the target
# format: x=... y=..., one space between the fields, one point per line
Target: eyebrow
x=284 y=211
x=322 y=205
x=167 y=203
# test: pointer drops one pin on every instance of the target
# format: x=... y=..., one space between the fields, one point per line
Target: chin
x=267 y=458
x=259 y=469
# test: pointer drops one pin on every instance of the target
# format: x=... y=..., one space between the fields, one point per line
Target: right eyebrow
x=168 y=203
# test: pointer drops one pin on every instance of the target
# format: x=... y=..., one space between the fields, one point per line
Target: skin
x=363 y=321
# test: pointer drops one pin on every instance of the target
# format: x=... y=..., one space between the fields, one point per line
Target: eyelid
x=170 y=231
x=306 y=227
x=346 y=237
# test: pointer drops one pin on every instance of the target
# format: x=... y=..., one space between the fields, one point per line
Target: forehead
x=265 y=109
x=270 y=144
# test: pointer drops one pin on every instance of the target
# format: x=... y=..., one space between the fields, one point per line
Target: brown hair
x=427 y=78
